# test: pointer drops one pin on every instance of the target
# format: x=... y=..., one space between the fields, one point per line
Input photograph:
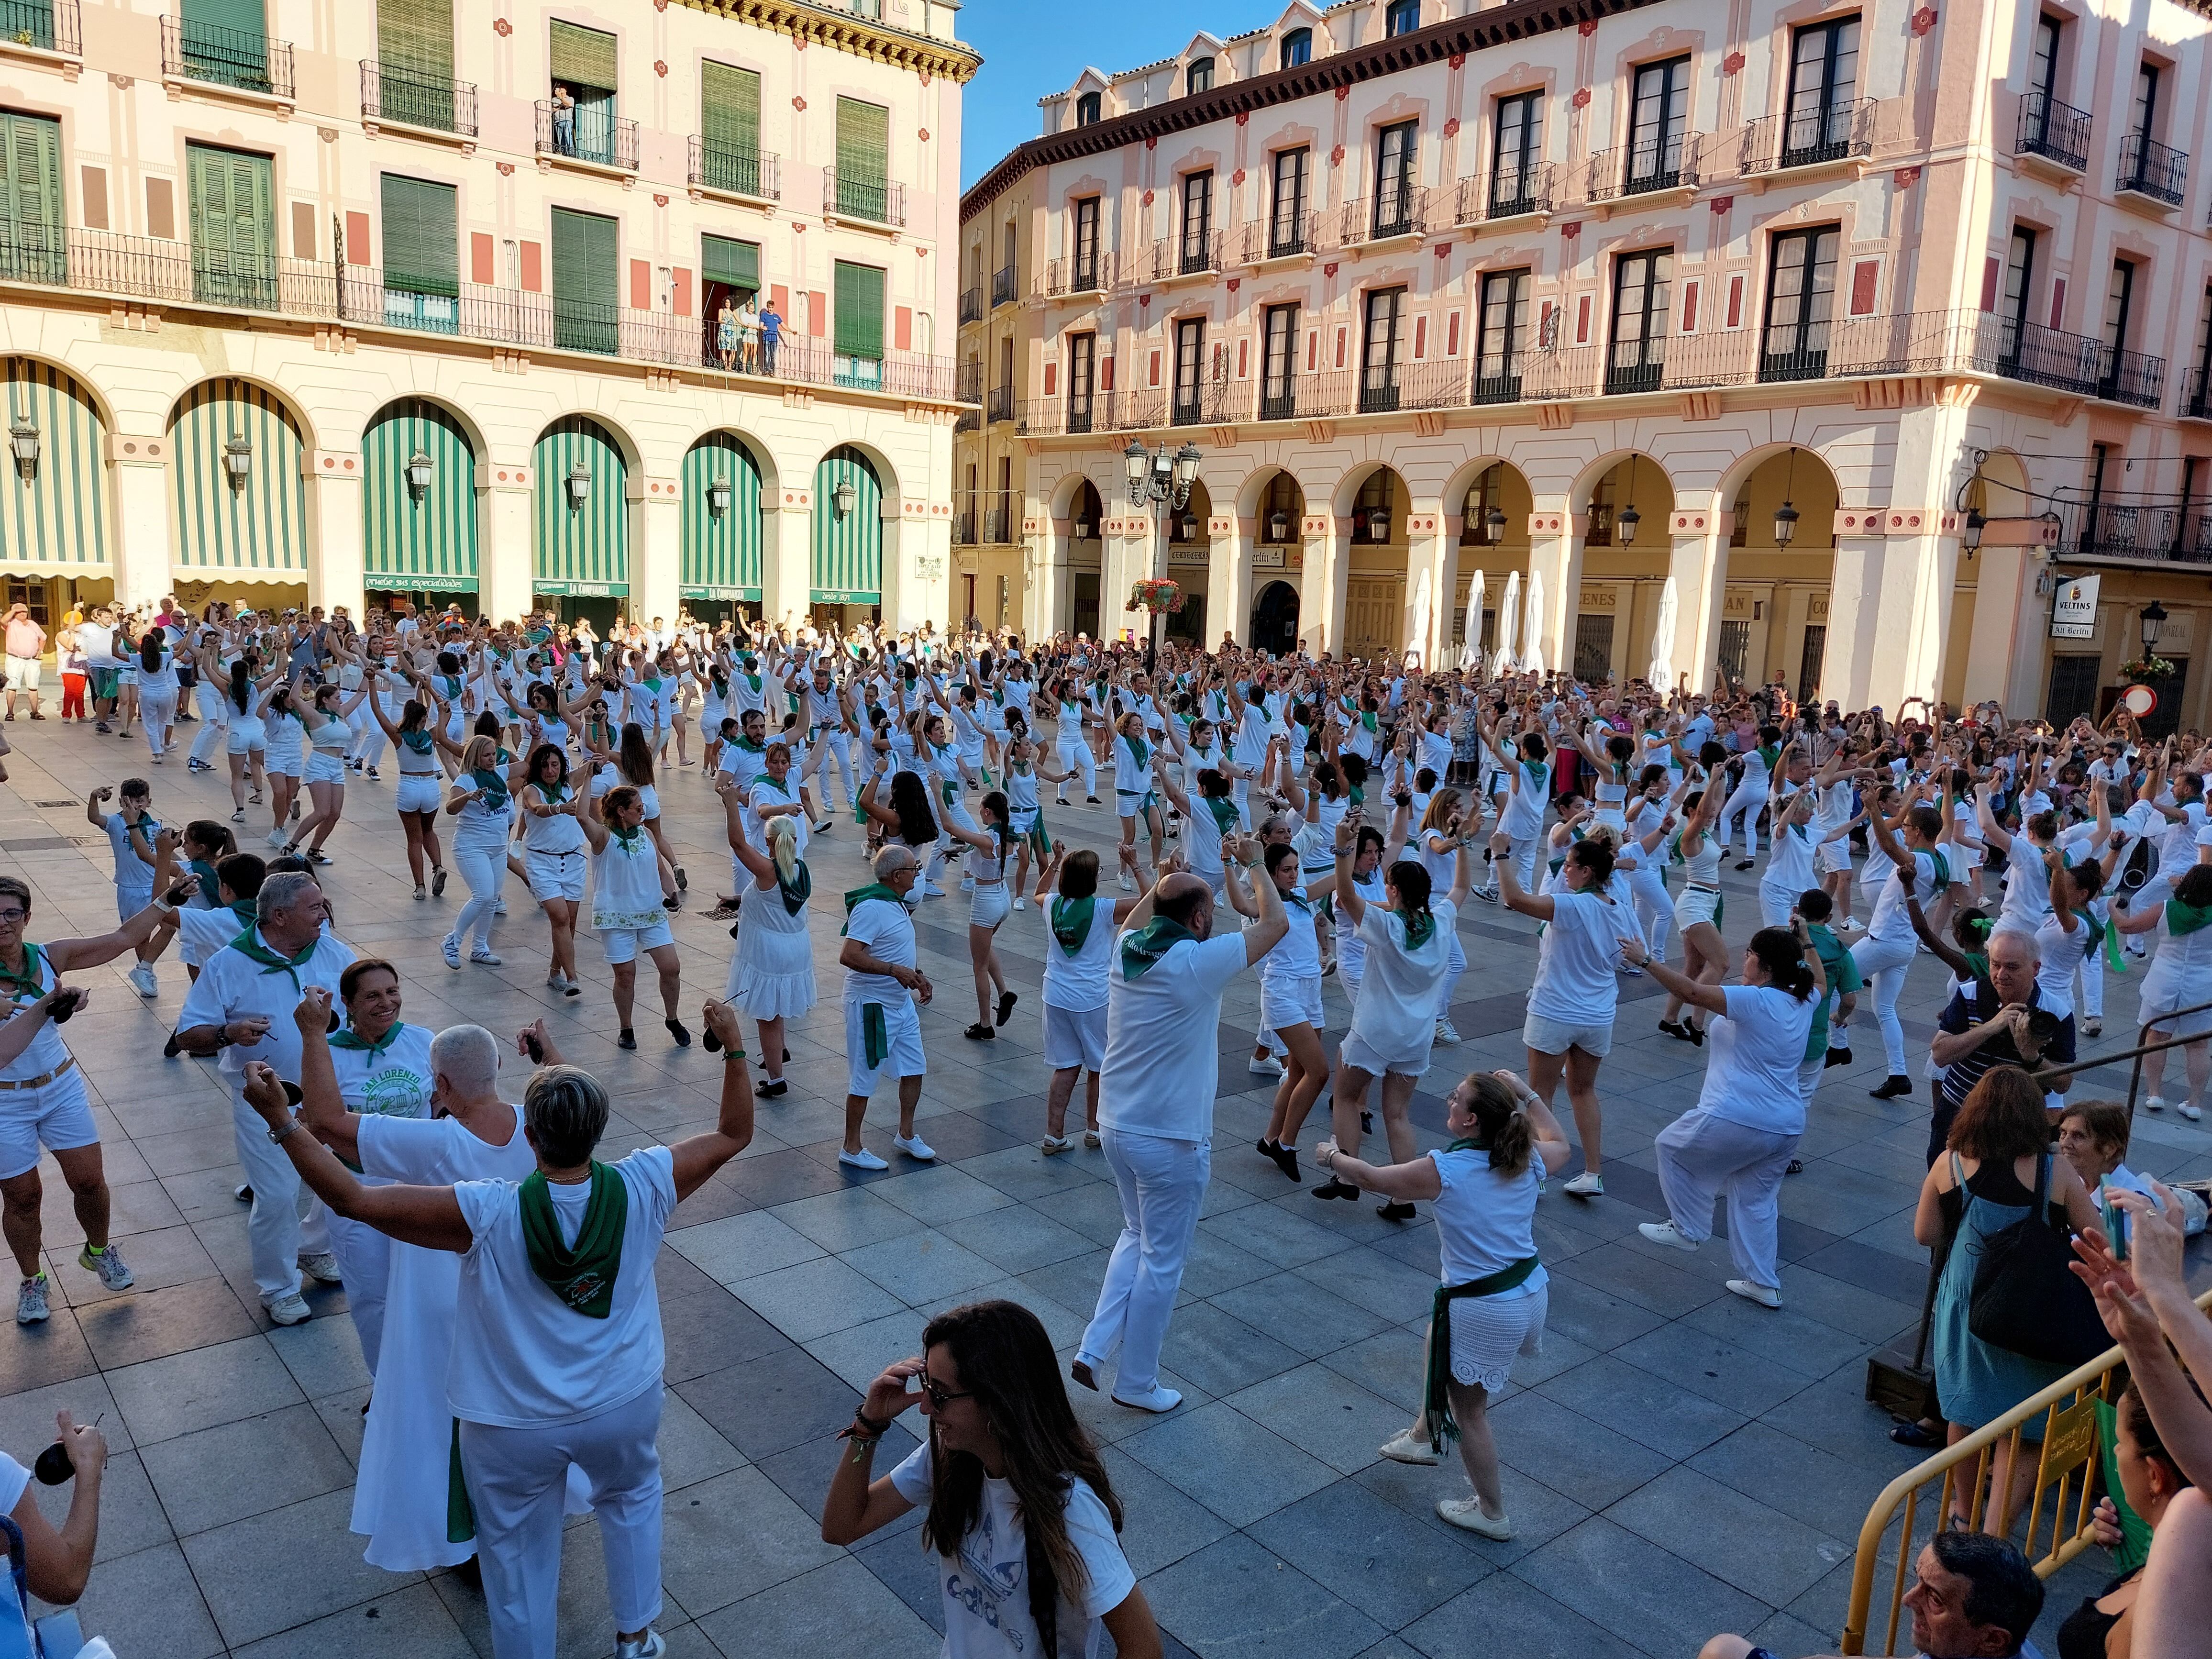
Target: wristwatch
x=280 y=1136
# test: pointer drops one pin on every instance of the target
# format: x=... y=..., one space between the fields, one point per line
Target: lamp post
x=23 y=439
x=2152 y=620
x=1156 y=480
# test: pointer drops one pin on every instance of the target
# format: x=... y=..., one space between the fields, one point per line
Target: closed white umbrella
x=1661 y=674
x=1532 y=631
x=1508 y=619
x=1471 y=646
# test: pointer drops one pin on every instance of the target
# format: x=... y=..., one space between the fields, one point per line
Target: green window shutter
x=858 y=318
x=32 y=244
x=583 y=58
x=724 y=260
x=864 y=142
x=729 y=107
x=422 y=239
x=585 y=283
x=416 y=36
x=232 y=216
x=239 y=16
x=226 y=41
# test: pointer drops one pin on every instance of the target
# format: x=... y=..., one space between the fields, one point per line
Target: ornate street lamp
x=238 y=460
x=580 y=486
x=418 y=474
x=717 y=497
x=844 y=497
x=23 y=439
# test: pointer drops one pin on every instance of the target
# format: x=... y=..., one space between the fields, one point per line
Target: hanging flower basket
x=2143 y=670
x=1155 y=597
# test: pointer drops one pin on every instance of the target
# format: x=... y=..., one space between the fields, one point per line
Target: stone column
x=1322 y=586
x=1229 y=579
x=786 y=554
x=1045 y=578
x=503 y=538
x=337 y=564
x=1555 y=552
x=1889 y=607
x=1697 y=560
x=917 y=565
x=656 y=521
x=1433 y=581
x=141 y=555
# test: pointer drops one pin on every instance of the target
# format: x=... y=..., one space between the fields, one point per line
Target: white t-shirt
x=233 y=986
x=1575 y=983
x=1163 y=1056
x=1078 y=982
x=1757 y=1047
x=1891 y=922
x=14 y=1477
x=1485 y=1218
x=885 y=931
x=1396 y=1013
x=522 y=1358
x=985 y=1581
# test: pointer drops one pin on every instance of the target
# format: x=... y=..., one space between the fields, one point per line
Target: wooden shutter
x=729 y=107
x=421 y=236
x=233 y=226
x=415 y=36
x=586 y=284
x=583 y=58
x=239 y=16
x=32 y=237
x=724 y=259
x=859 y=315
x=864 y=142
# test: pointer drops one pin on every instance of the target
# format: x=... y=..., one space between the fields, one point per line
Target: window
x=864 y=160
x=1375 y=509
x=230 y=197
x=1658 y=120
x=729 y=272
x=1800 y=295
x=1402 y=17
x=1513 y=182
x=2074 y=683
x=421 y=255
x=2043 y=58
x=1823 y=84
x=1298 y=48
x=1278 y=363
x=415 y=62
x=583 y=67
x=1198 y=77
x=1593 y=648
x=1378 y=369
x=1735 y=648
x=2119 y=302
x=2146 y=165
x=586 y=287
x=2018 y=275
x=729 y=129
x=1395 y=158
x=1501 y=336
x=33 y=250
x=1085 y=276
x=1086 y=110
x=1197 y=240
x=2143 y=112
x=857 y=320
x=1639 y=351
x=1286 y=220
x=1189 y=370
x=225 y=41
x=1082 y=361
x=2195 y=401
x=1810 y=661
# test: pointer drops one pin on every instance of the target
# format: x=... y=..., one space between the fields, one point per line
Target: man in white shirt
x=883 y=1031
x=242 y=1005
x=1156 y=1108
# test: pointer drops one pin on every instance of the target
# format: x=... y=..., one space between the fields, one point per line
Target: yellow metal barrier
x=2065 y=1468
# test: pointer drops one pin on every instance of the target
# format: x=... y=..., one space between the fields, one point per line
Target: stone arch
x=238 y=452
x=55 y=512
x=419 y=530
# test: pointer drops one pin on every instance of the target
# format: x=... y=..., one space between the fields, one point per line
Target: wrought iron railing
x=1283 y=235
x=1505 y=194
x=242 y=58
x=1498 y=377
x=415 y=98
x=2167 y=533
x=1639 y=168
x=1088 y=273
x=1429 y=383
x=971 y=305
x=1397 y=210
x=849 y=195
x=1003 y=290
x=1307 y=397
x=2134 y=377
x=2150 y=168
x=735 y=169
x=964 y=527
x=2196 y=404
x=1207 y=402
x=43 y=25
x=2056 y=131
x=1002 y=404
x=1808 y=137
x=587 y=132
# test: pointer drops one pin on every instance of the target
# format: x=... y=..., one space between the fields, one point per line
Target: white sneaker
x=1128 y=885
x=1662 y=1232
x=143 y=982
x=2155 y=1104
x=276 y=838
x=863 y=1159
x=1158 y=1400
x=1447 y=1034
x=1021 y=904
x=1765 y=1295
x=648 y=1646
x=1467 y=1513
x=322 y=1267
x=1585 y=1185
x=1402 y=1448
x=2190 y=1112
x=915 y=1148
x=451 y=947
x=500 y=908
x=289 y=1310
x=1266 y=1066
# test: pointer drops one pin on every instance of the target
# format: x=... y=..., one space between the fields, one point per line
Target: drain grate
x=54 y=802
x=38 y=844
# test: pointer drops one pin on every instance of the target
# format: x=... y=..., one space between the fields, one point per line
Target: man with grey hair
x=557 y=1354
x=2022 y=1030
x=241 y=1006
x=882 y=1028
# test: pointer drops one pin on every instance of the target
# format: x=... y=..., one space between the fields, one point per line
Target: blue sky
x=1032 y=47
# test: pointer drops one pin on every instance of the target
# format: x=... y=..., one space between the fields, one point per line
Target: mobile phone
x=534 y=1047
x=2116 y=1226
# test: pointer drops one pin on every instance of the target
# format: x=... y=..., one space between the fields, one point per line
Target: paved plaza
x=1679 y=1461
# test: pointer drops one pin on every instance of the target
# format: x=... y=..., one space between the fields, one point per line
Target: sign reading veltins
x=2074 y=611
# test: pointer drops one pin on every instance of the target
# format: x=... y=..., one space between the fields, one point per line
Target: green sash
x=1436 y=1404
x=1420 y=927
x=1141 y=949
x=2185 y=919
x=855 y=896
x=352 y=1041
x=1225 y=816
x=252 y=948
x=795 y=893
x=875 y=1044
x=582 y=1276
x=418 y=741
x=1071 y=921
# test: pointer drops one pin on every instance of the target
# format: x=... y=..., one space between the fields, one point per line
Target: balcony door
x=34 y=240
x=1190 y=371
x=1823 y=71
x=1501 y=337
x=2018 y=280
x=1659 y=120
x=584 y=61
x=1278 y=363
x=1636 y=359
x=227 y=42
x=1395 y=157
x=586 y=286
x=1197 y=222
x=1086 y=276
x=1378 y=366
x=232 y=202
x=1081 y=375
x=1520 y=142
x=415 y=62
x=1287 y=221
x=1801 y=296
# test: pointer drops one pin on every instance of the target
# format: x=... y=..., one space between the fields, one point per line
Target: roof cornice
x=846 y=32
x=1476 y=32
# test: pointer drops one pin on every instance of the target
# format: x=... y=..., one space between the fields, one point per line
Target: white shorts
x=1075 y=1036
x=1556 y=1037
x=420 y=792
x=988 y=906
x=1293 y=1000
x=1356 y=1054
x=1833 y=858
x=285 y=765
x=1696 y=905
x=130 y=900
x=23 y=675
x=58 y=1115
x=900 y=1054
x=625 y=943
x=245 y=732
x=325 y=766
x=555 y=875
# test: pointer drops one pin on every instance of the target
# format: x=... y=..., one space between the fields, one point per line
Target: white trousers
x=1161 y=1183
x=365 y=1261
x=1746 y=804
x=1655 y=908
x=1523 y=855
x=214 y=733
x=157 y=713
x=517 y=1480
x=1776 y=901
x=1883 y=964
x=287 y=1220
x=1075 y=756
x=1702 y=1158
x=837 y=744
x=484 y=869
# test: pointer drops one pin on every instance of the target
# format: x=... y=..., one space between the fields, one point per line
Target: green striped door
x=847 y=566
x=413 y=543
x=232 y=198
x=415 y=61
x=33 y=244
x=721 y=557
x=421 y=255
x=580 y=551
x=260 y=525
x=586 y=285
x=58 y=515
x=226 y=41
x=729 y=125
x=864 y=159
x=857 y=323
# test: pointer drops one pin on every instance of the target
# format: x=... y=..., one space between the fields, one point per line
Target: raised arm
x=427 y=1216
x=698 y=1157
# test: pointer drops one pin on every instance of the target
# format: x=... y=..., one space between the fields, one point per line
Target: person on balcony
x=564 y=120
x=771 y=331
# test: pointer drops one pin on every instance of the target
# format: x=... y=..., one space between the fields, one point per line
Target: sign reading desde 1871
x=2074 y=609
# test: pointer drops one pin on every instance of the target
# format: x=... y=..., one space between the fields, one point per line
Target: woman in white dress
x=2181 y=977
x=553 y=854
x=772 y=971
x=1290 y=1008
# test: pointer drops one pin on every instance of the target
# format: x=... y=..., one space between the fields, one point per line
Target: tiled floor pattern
x=1680 y=1461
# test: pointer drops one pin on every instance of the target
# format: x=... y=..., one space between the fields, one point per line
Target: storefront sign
x=722 y=592
x=2074 y=611
x=1194 y=556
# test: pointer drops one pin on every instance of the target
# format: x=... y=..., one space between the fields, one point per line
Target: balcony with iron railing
x=876 y=201
x=998 y=525
x=1090 y=273
x=2072 y=363
x=1398 y=209
x=1290 y=234
x=2057 y=132
x=1839 y=132
x=1002 y=404
x=243 y=60
x=1432 y=383
x=2152 y=170
x=1191 y=254
x=2135 y=533
x=392 y=93
x=968 y=383
x=964 y=527
x=1095 y=411
x=592 y=134
x=723 y=169
x=971 y=305
x=1307 y=397
x=1003 y=290
x=1642 y=168
x=967 y=420
x=1505 y=194
x=55 y=26
x=1209 y=402
x=2196 y=402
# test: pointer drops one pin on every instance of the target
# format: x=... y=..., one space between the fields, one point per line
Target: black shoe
x=1915 y=1435
x=169 y=1050
x=1796 y=1166
x=437 y=883
x=675 y=1029
x=1395 y=1212
x=1746 y=864
x=773 y=1087
x=470 y=1573
x=1285 y=1157
x=1367 y=1123
x=1335 y=1187
x=1836 y=1057
x=1093 y=799
x=1006 y=999
x=1891 y=1088
x=626 y=1040
x=979 y=1032
x=1696 y=1033
x=1081 y=1372
x=1669 y=1027
x=683 y=881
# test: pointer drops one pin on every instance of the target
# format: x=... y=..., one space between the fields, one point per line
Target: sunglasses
x=937 y=1394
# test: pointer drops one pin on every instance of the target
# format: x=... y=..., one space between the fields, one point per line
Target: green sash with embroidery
x=1144 y=948
x=582 y=1274
x=795 y=893
x=1071 y=921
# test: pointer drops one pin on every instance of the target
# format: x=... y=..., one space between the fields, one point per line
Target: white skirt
x=772 y=972
x=1489 y=1333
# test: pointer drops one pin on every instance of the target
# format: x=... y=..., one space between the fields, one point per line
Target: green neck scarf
x=1139 y=752
x=353 y=1043
x=856 y=896
x=1071 y=921
x=1368 y=721
x=555 y=793
x=495 y=788
x=1420 y=927
x=1224 y=808
x=248 y=911
x=750 y=747
x=796 y=892
x=2185 y=919
x=627 y=836
x=31 y=979
x=249 y=945
x=582 y=1275
x=210 y=885
x=418 y=741
x=1143 y=949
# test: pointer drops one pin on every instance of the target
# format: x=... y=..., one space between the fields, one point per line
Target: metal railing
x=587 y=133
x=2057 y=132
x=1429 y=383
x=1640 y=168
x=1307 y=397
x=2067 y=362
x=735 y=169
x=43 y=25
x=1498 y=377
x=964 y=527
x=876 y=200
x=2135 y=378
x=1284 y=235
x=1002 y=404
x=1396 y=210
x=968 y=383
x=994 y=527
x=1807 y=138
x=1504 y=194
x=2150 y=168
x=1188 y=255
x=967 y=420
x=1091 y=275
x=971 y=305
x=2196 y=404
x=391 y=92
x=1207 y=402
x=1003 y=290
x=242 y=58
x=2176 y=533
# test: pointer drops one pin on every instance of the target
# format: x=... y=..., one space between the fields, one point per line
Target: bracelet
x=729 y=1054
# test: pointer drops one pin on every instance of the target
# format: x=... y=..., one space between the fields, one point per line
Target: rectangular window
x=1378 y=365
x=1195 y=252
x=1190 y=371
x=231 y=200
x=1402 y=17
x=34 y=248
x=1287 y=233
x=729 y=129
x=1395 y=158
x=2019 y=279
x=1297 y=49
x=1800 y=297
x=1086 y=245
x=415 y=62
x=2074 y=683
x=1513 y=176
x=2196 y=398
x=1810 y=660
x=729 y=275
x=1636 y=359
x=1501 y=336
x=1278 y=363
x=2119 y=304
x=2042 y=58
x=2143 y=112
x=857 y=313
x=587 y=282
x=583 y=63
x=422 y=254
x=1824 y=69
x=1593 y=648
x=227 y=42
x=1086 y=110
x=1658 y=123
x=864 y=160
x=1082 y=351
